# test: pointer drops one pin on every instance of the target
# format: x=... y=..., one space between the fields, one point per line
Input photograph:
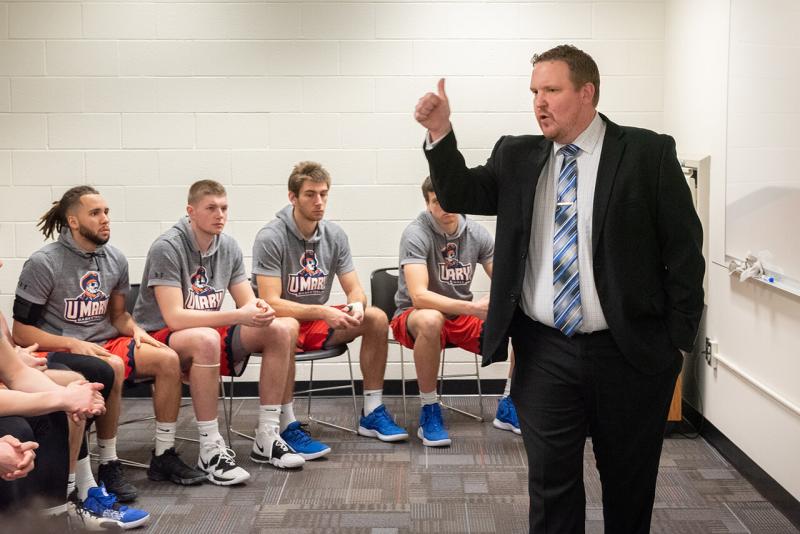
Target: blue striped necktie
x=566 y=281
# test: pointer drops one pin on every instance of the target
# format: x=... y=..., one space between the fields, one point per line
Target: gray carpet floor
x=479 y=484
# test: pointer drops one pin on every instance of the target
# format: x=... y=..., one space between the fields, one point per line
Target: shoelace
x=226 y=456
x=435 y=420
x=173 y=460
x=383 y=417
x=302 y=434
x=108 y=500
x=434 y=424
x=79 y=511
x=511 y=414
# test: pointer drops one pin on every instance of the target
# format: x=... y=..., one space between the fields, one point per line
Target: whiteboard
x=762 y=214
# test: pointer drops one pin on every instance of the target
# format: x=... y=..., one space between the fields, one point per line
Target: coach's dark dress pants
x=564 y=388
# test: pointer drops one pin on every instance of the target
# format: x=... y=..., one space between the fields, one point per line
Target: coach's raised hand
x=433 y=112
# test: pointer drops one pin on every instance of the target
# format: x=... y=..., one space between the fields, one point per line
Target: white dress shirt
x=537 y=289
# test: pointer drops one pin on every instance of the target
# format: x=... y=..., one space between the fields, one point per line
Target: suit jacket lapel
x=532 y=169
x=613 y=148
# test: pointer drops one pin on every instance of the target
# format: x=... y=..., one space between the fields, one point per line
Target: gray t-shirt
x=75 y=288
x=305 y=266
x=175 y=260
x=450 y=259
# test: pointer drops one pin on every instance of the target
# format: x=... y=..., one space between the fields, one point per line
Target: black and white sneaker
x=269 y=448
x=217 y=462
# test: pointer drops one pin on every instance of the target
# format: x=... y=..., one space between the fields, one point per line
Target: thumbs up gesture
x=433 y=112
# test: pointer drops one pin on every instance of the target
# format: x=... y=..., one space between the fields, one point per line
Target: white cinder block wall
x=142 y=98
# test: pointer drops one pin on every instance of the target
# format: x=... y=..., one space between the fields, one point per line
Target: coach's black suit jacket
x=646 y=236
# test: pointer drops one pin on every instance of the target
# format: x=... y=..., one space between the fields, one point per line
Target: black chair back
x=383 y=284
x=133 y=294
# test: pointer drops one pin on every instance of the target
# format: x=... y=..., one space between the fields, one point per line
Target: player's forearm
x=434 y=301
x=357 y=295
x=18 y=376
x=30 y=380
x=124 y=324
x=4 y=331
x=183 y=319
x=26 y=404
x=301 y=312
x=26 y=335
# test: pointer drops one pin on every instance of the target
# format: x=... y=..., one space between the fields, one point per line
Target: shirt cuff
x=430 y=144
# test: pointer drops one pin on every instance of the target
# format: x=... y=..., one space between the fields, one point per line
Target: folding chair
x=308 y=356
x=383 y=285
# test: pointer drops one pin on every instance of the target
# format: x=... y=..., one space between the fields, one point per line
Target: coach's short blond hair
x=203 y=188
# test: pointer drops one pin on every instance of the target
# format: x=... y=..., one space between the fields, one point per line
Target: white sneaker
x=217 y=461
x=268 y=447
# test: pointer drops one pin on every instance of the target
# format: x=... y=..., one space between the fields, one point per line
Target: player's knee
x=118 y=367
x=103 y=373
x=19 y=428
x=205 y=346
x=283 y=332
x=375 y=319
x=169 y=366
x=428 y=322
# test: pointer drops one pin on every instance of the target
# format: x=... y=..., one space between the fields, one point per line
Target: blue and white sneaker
x=297 y=437
x=380 y=424
x=106 y=512
x=506 y=416
x=431 y=426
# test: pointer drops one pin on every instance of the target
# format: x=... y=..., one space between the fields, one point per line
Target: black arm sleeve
x=27 y=312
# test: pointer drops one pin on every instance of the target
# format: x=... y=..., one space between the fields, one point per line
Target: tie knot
x=569 y=151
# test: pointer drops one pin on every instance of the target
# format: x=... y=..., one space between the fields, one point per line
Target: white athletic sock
x=428 y=398
x=209 y=434
x=507 y=391
x=165 y=436
x=70 y=484
x=372 y=399
x=84 y=479
x=287 y=415
x=269 y=418
x=107 y=450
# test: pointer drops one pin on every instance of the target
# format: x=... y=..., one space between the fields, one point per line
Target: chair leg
x=311 y=390
x=403 y=383
x=353 y=392
x=96 y=457
x=441 y=389
x=123 y=461
x=227 y=408
x=229 y=414
x=480 y=393
x=441 y=375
